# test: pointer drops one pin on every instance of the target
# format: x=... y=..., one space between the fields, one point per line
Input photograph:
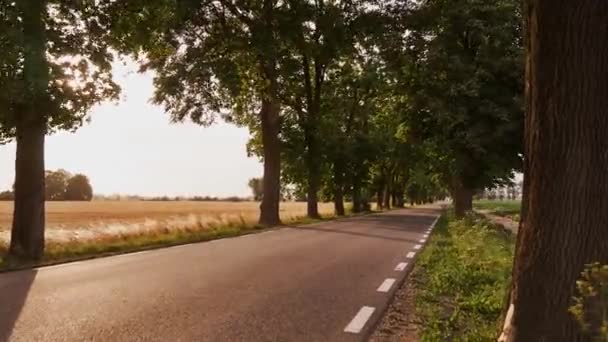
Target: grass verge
x=506 y=208
x=106 y=245
x=461 y=280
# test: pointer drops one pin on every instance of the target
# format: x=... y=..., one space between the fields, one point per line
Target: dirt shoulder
x=399 y=322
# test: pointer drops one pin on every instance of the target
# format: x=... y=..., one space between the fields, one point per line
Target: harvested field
x=88 y=220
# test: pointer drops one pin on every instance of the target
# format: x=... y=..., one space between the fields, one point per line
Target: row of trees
x=61 y=185
x=349 y=99
x=343 y=99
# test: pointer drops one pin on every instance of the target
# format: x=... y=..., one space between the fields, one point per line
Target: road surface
x=323 y=282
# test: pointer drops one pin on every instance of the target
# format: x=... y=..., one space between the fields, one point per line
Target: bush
x=591 y=303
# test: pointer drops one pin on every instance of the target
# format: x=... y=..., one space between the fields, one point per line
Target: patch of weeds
x=591 y=302
x=506 y=208
x=461 y=279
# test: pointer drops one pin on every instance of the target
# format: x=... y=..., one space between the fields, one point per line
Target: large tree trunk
x=566 y=211
x=387 y=196
x=339 y=189
x=463 y=199
x=269 y=209
x=314 y=177
x=312 y=207
x=400 y=198
x=357 y=200
x=380 y=198
x=27 y=233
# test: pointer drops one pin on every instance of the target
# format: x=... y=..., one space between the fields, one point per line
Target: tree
x=462 y=75
x=79 y=189
x=56 y=183
x=257 y=188
x=564 y=209
x=55 y=66
x=211 y=57
x=323 y=32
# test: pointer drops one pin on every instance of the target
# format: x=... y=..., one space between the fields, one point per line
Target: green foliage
x=78 y=64
x=208 y=57
x=461 y=279
x=56 y=183
x=591 y=303
x=462 y=75
x=257 y=188
x=78 y=188
x=61 y=185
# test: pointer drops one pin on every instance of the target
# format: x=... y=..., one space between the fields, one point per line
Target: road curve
x=307 y=283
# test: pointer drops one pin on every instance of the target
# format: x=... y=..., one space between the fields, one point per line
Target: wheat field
x=83 y=220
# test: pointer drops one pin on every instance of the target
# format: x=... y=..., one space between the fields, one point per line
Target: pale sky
x=132 y=148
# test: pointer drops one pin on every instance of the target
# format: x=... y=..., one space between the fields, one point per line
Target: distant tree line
x=61 y=185
x=194 y=199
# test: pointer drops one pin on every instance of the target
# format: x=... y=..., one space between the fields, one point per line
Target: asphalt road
x=292 y=284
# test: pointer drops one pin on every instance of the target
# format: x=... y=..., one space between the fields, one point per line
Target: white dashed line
x=401 y=266
x=426 y=236
x=422 y=240
x=386 y=285
x=417 y=247
x=356 y=325
x=411 y=255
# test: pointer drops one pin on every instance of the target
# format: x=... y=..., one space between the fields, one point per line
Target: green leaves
x=590 y=306
x=464 y=85
x=78 y=59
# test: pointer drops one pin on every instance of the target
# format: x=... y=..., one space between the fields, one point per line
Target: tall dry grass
x=67 y=221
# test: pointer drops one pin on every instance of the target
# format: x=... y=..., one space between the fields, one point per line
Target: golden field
x=67 y=220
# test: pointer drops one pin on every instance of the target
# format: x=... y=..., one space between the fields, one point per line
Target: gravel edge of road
x=399 y=321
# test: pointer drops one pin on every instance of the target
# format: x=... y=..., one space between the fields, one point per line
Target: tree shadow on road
x=14 y=289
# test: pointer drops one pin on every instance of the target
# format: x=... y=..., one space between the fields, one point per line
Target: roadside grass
x=461 y=280
x=506 y=208
x=111 y=244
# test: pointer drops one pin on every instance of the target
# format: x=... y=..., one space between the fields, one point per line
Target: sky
x=130 y=147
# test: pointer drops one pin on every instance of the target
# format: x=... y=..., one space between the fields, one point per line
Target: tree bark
x=27 y=233
x=339 y=189
x=380 y=198
x=314 y=176
x=463 y=200
x=566 y=208
x=269 y=209
x=400 y=196
x=387 y=196
x=357 y=200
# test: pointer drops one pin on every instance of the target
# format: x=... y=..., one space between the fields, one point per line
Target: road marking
x=356 y=325
x=426 y=236
x=417 y=247
x=422 y=240
x=411 y=255
x=386 y=285
x=401 y=266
